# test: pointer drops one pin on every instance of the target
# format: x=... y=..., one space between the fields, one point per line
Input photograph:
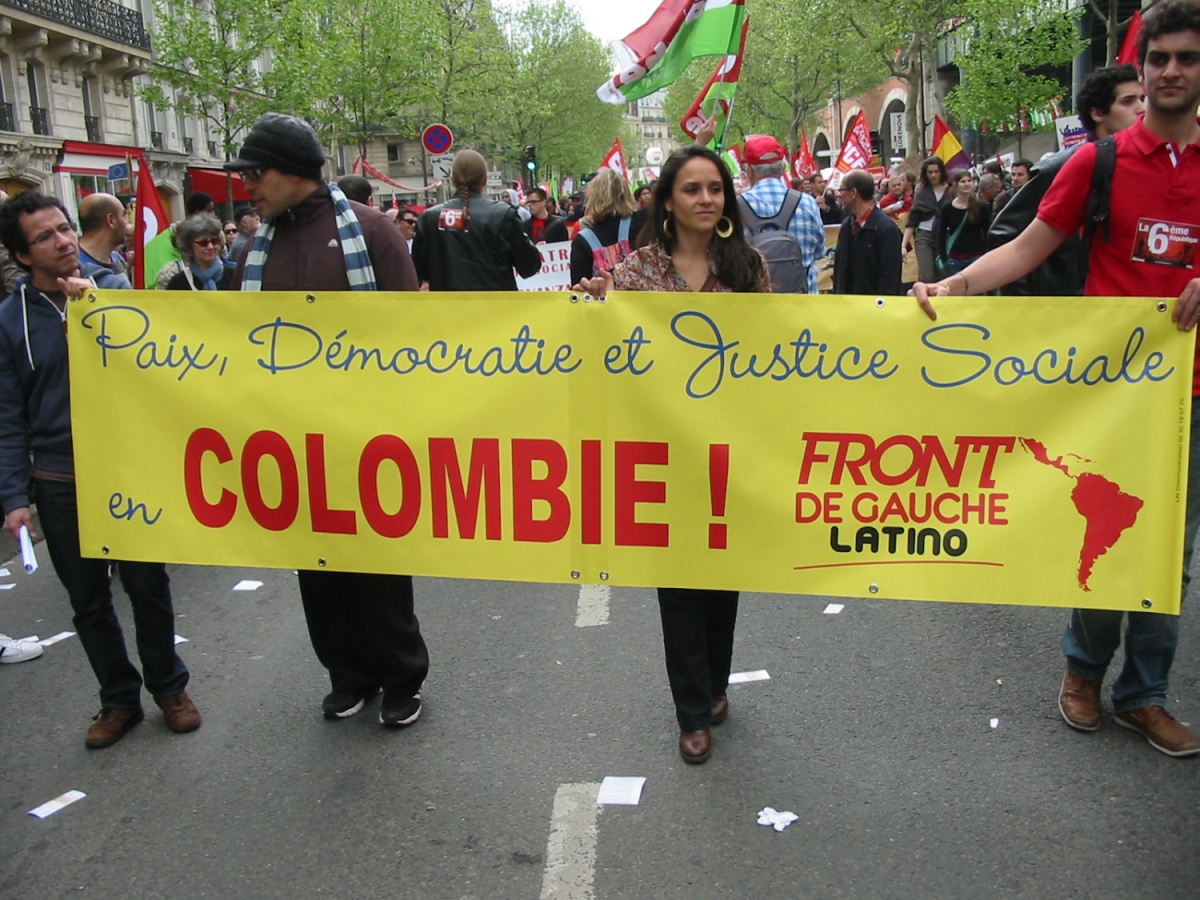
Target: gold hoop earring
x=724 y=227
x=668 y=232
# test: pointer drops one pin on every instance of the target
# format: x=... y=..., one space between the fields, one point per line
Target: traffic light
x=531 y=159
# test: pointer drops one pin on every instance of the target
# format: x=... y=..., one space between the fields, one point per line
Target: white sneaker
x=12 y=651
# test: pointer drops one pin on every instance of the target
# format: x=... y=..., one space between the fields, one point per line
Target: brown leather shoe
x=1157 y=726
x=109 y=726
x=1079 y=702
x=695 y=746
x=179 y=711
x=720 y=709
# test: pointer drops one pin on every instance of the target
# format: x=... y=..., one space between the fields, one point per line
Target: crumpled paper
x=774 y=818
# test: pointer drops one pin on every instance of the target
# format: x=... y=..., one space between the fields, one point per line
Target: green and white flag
x=679 y=31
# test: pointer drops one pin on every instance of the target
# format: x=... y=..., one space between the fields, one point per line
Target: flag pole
x=745 y=28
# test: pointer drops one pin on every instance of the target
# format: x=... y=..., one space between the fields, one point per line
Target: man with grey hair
x=770 y=204
x=989 y=187
x=868 y=259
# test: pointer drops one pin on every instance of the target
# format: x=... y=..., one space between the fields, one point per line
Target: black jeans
x=364 y=631
x=88 y=586
x=698 y=639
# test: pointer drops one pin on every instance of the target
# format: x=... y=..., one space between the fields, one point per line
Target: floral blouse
x=650 y=269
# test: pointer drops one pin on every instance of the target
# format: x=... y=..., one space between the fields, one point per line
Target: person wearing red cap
x=765 y=204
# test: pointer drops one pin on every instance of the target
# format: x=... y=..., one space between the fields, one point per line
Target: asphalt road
x=874 y=729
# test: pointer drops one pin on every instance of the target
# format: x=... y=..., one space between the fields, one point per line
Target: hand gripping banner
x=1017 y=450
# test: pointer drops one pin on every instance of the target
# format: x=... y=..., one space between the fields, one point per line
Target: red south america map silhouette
x=1107 y=510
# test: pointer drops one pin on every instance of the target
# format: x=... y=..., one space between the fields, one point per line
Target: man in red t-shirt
x=1152 y=250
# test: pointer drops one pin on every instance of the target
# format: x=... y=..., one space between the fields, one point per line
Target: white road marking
x=593 y=605
x=571 y=847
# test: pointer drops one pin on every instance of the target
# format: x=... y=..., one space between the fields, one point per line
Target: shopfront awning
x=213 y=181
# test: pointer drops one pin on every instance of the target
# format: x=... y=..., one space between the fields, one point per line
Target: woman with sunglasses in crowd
x=200 y=241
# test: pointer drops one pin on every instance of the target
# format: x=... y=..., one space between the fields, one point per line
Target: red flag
x=856 y=152
x=1129 y=54
x=152 y=219
x=615 y=160
x=803 y=164
x=716 y=97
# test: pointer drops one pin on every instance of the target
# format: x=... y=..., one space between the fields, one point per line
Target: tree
x=209 y=53
x=1005 y=43
x=356 y=68
x=550 y=102
x=791 y=72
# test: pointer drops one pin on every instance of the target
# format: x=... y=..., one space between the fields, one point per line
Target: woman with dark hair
x=962 y=226
x=933 y=192
x=472 y=243
x=693 y=241
x=200 y=241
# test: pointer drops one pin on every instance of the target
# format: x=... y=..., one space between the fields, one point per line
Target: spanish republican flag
x=947 y=148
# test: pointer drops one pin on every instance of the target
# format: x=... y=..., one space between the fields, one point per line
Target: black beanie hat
x=284 y=143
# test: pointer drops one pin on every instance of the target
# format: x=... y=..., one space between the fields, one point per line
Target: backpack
x=604 y=258
x=771 y=238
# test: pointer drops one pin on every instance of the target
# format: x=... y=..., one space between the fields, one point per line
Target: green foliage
x=208 y=51
x=550 y=98
x=1005 y=44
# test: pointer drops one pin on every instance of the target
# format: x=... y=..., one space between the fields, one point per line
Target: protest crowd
x=926 y=230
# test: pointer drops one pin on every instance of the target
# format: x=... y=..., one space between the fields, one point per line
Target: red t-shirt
x=1154 y=233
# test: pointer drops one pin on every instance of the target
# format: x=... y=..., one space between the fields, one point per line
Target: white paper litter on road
x=28 y=557
x=834 y=608
x=4 y=573
x=247 y=585
x=620 y=790
x=180 y=640
x=743 y=677
x=995 y=723
x=7 y=587
x=61 y=636
x=50 y=807
x=777 y=820
x=29 y=639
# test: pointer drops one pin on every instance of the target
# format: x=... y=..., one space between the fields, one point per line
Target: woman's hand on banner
x=598 y=287
x=1187 y=308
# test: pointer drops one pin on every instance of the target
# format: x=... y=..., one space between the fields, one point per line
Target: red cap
x=762 y=150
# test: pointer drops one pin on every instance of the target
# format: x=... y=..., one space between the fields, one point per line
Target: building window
x=91 y=110
x=39 y=116
x=394 y=151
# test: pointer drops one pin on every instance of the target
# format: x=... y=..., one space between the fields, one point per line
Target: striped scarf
x=358 y=262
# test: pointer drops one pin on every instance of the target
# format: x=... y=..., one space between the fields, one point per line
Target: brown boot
x=109 y=726
x=695 y=746
x=1079 y=702
x=179 y=711
x=720 y=709
x=1157 y=726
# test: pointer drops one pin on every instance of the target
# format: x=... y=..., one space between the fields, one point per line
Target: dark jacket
x=1064 y=271
x=479 y=259
x=306 y=254
x=555 y=230
x=869 y=262
x=35 y=400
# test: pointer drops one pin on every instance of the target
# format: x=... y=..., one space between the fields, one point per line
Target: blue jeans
x=88 y=585
x=1092 y=636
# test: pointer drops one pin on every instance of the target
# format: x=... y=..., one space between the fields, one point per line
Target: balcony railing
x=156 y=140
x=7 y=121
x=100 y=17
x=93 y=129
x=40 y=118
x=189 y=146
x=212 y=150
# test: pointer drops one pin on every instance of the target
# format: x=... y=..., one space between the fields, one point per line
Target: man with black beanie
x=313 y=238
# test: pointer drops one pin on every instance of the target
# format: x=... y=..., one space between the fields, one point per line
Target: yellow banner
x=1025 y=451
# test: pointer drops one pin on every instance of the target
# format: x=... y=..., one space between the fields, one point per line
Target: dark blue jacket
x=35 y=400
x=868 y=262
